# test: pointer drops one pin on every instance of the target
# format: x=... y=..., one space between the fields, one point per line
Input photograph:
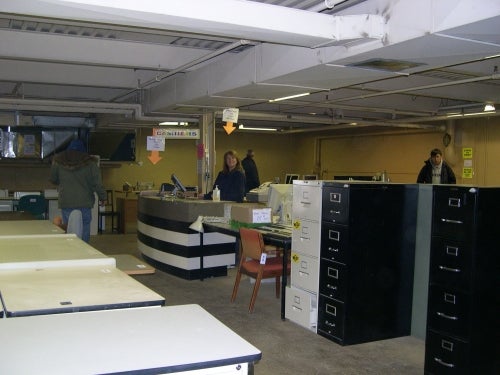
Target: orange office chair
x=252 y=248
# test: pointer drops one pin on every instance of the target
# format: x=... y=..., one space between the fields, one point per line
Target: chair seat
x=273 y=265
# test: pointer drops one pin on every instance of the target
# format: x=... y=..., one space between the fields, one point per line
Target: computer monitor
x=280 y=201
x=309 y=177
x=177 y=183
x=290 y=177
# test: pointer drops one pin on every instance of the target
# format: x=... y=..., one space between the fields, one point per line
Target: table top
x=49 y=251
x=169 y=339
x=28 y=227
x=274 y=234
x=58 y=290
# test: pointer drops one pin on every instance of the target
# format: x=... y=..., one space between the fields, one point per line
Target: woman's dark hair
x=225 y=168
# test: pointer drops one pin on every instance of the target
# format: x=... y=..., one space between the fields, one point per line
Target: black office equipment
x=367 y=258
x=463 y=317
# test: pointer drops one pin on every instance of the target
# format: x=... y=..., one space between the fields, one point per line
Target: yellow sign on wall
x=467 y=172
x=467 y=152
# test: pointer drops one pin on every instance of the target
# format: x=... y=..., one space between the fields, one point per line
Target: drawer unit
x=307 y=200
x=333 y=280
x=331 y=319
x=304 y=272
x=336 y=205
x=334 y=242
x=301 y=307
x=306 y=237
x=449 y=310
x=367 y=258
x=464 y=303
x=451 y=262
x=446 y=355
x=301 y=302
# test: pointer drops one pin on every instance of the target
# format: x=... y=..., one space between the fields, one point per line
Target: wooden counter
x=127 y=207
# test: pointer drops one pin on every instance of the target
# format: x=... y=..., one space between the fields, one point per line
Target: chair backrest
x=252 y=243
x=36 y=204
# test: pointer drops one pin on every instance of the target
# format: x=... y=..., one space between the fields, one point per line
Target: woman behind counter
x=231 y=180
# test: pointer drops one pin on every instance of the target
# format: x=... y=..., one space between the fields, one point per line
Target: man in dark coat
x=436 y=170
x=251 y=173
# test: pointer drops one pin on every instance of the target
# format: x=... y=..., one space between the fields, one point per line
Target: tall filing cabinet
x=366 y=263
x=302 y=295
x=464 y=289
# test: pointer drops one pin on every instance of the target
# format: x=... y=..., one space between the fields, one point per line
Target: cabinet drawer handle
x=302 y=202
x=329 y=324
x=444 y=268
x=335 y=212
x=333 y=249
x=331 y=287
x=450 y=221
x=441 y=362
x=443 y=315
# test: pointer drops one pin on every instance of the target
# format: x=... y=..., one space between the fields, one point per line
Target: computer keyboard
x=215 y=219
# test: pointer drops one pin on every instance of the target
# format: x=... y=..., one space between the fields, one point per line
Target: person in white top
x=436 y=170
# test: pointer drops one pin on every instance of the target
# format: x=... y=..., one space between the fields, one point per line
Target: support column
x=206 y=165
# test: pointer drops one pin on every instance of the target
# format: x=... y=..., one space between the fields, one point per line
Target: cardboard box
x=251 y=213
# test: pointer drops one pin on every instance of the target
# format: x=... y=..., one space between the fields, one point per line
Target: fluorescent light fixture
x=242 y=127
x=489 y=107
x=173 y=123
x=289 y=97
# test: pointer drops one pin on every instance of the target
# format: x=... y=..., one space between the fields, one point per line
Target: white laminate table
x=49 y=251
x=28 y=227
x=136 y=341
x=59 y=290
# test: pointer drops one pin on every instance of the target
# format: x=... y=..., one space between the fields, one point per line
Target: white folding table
x=58 y=290
x=181 y=339
x=28 y=227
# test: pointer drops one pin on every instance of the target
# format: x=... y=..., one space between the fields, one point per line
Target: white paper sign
x=261 y=215
x=230 y=115
x=155 y=143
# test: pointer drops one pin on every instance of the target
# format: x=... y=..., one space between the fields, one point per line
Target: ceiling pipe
x=416 y=88
x=131 y=109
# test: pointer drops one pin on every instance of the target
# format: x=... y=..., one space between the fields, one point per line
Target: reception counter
x=166 y=242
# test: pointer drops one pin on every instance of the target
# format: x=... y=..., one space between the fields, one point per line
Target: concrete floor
x=287 y=349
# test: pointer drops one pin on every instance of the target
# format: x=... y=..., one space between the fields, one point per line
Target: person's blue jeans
x=86 y=219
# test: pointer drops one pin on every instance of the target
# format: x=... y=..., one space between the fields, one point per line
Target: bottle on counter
x=216 y=194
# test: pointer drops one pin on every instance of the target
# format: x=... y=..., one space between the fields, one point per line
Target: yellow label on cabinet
x=296 y=224
x=467 y=152
x=295 y=257
x=467 y=172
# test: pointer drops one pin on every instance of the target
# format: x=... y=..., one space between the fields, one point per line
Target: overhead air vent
x=386 y=65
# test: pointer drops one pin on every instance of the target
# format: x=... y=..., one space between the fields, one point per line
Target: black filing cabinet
x=463 y=306
x=367 y=258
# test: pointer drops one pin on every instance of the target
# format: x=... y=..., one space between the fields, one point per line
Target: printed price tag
x=263 y=258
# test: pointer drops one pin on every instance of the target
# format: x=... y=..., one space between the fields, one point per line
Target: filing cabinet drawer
x=333 y=280
x=301 y=307
x=450 y=262
x=454 y=212
x=334 y=242
x=445 y=355
x=307 y=202
x=304 y=272
x=306 y=237
x=331 y=318
x=335 y=205
x=449 y=311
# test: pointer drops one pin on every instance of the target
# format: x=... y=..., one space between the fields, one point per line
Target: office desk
x=65 y=290
x=49 y=251
x=133 y=341
x=28 y=227
x=270 y=237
